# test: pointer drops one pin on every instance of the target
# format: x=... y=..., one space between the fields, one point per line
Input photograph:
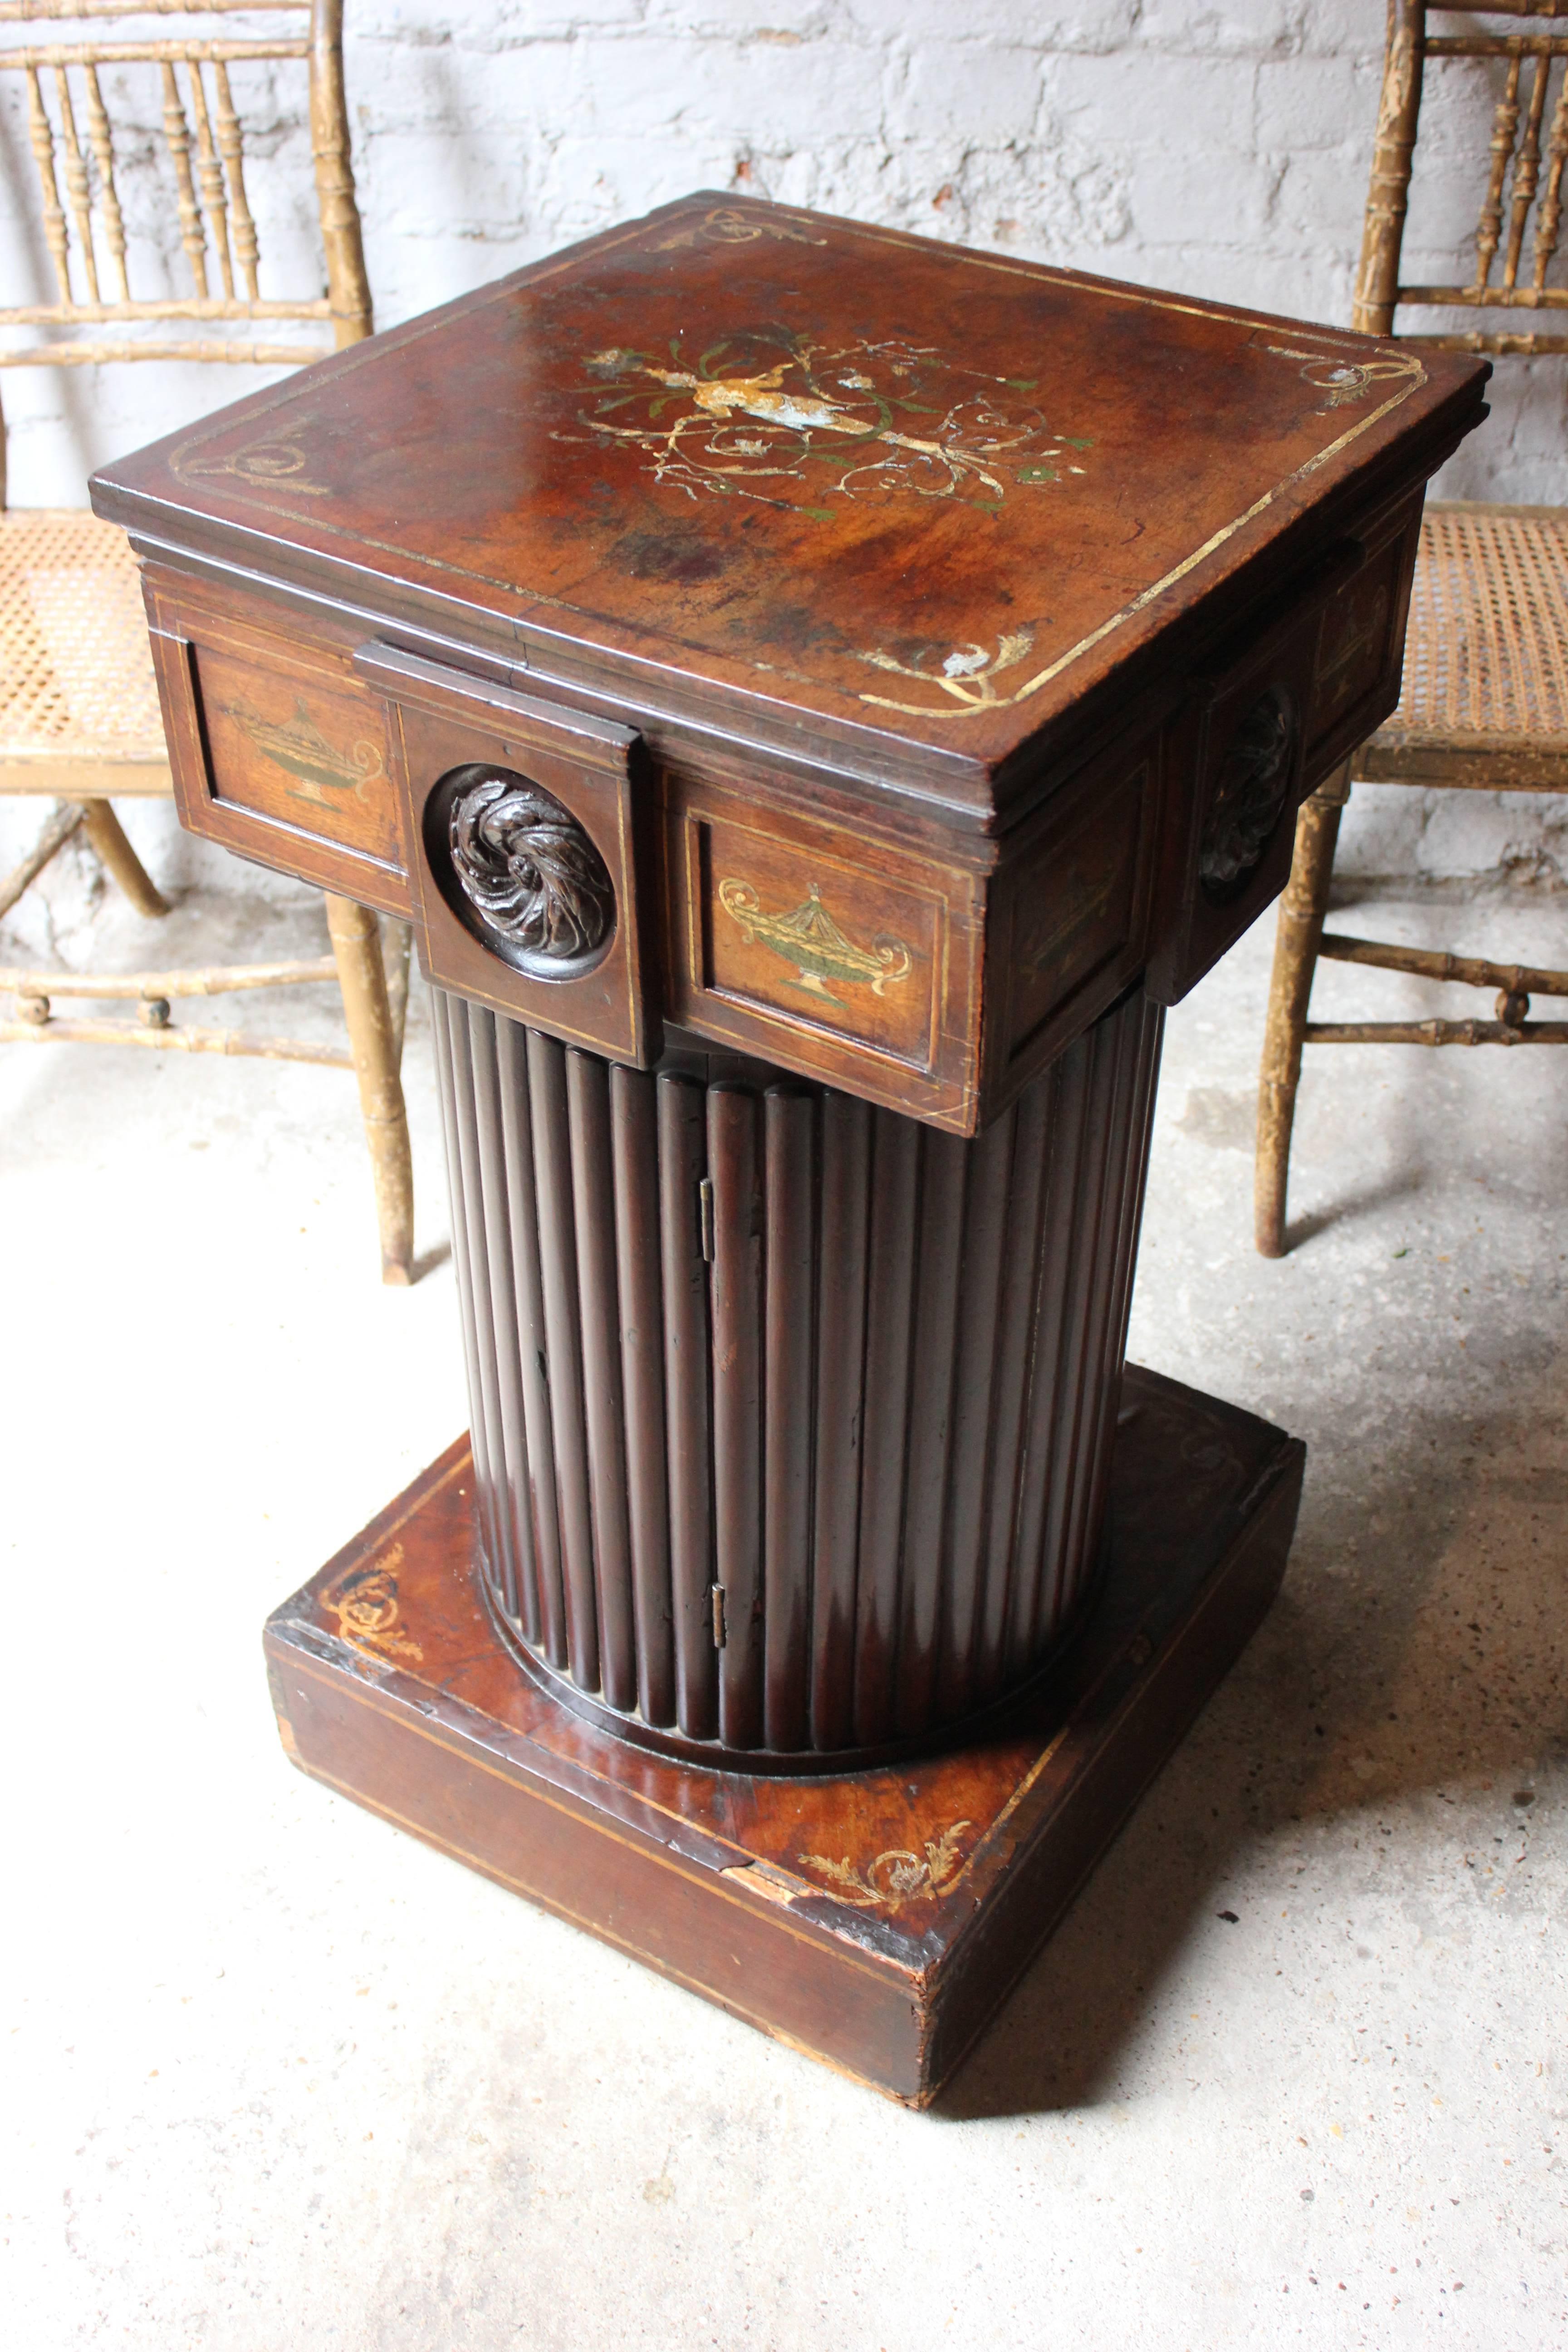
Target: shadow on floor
x=1418 y=1655
x=1351 y=1202
x=427 y=1261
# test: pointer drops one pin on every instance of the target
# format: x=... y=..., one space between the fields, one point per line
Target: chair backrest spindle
x=231 y=148
x=43 y=138
x=214 y=195
x=108 y=196
x=1551 y=214
x=1517 y=186
x=1505 y=130
x=348 y=287
x=84 y=217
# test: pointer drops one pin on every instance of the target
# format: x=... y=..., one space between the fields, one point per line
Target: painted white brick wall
x=1222 y=149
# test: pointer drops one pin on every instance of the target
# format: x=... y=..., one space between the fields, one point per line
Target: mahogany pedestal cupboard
x=819 y=696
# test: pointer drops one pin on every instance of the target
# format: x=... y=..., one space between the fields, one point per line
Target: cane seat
x=75 y=671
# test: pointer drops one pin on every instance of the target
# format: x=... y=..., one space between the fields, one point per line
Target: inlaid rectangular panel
x=1070 y=924
x=1361 y=633
x=283 y=745
x=800 y=935
x=816 y=946
x=278 y=749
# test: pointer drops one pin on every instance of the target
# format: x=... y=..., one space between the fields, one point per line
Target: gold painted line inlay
x=1106 y=290
x=818 y=1936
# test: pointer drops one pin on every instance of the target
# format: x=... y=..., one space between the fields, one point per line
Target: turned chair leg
x=104 y=829
x=376 y=1046
x=1301 y=912
x=59 y=826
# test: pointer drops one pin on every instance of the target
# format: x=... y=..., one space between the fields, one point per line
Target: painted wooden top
x=902 y=489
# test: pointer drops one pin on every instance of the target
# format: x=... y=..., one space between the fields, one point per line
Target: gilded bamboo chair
x=1484 y=700
x=79 y=708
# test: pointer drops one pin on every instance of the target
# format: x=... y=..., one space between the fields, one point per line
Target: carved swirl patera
x=1250 y=793
x=528 y=868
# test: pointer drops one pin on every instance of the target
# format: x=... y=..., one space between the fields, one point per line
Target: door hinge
x=718 y=1598
x=705 y=1217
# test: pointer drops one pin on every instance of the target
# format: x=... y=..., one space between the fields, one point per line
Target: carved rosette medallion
x=1250 y=793
x=528 y=870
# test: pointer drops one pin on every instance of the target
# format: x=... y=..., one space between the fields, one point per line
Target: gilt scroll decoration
x=808 y=937
x=896 y=1877
x=369 y=1613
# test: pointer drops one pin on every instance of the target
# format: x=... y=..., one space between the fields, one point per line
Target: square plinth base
x=876 y=1919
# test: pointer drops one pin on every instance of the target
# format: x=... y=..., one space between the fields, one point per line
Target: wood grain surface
x=812 y=1405
x=900 y=624
x=877 y=1920
x=925 y=495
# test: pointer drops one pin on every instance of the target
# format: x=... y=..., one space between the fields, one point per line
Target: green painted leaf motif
x=886 y=446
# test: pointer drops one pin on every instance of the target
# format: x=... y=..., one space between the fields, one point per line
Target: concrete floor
x=278 y=2077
